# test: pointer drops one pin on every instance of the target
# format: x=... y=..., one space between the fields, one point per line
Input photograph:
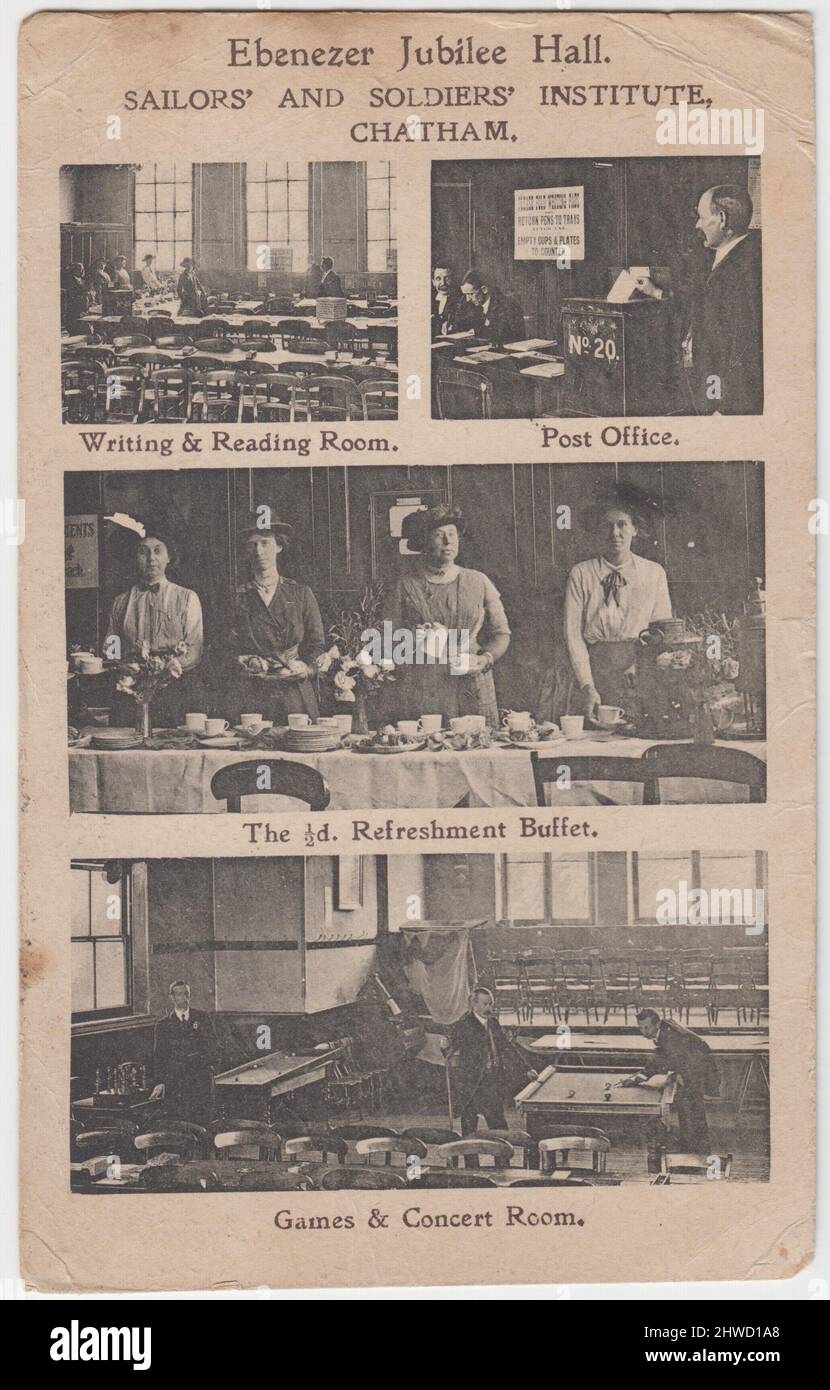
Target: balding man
x=723 y=344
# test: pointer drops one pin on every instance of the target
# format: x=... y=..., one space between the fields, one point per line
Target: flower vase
x=360 y=717
x=143 y=722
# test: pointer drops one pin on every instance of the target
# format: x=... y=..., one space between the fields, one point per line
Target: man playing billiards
x=481 y=1048
x=680 y=1050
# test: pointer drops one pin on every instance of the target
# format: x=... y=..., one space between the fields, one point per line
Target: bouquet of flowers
x=350 y=664
x=148 y=671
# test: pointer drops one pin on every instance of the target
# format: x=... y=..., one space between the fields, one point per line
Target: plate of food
x=273 y=669
x=389 y=741
x=219 y=740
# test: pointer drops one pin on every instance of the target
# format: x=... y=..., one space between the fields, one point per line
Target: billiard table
x=252 y=1086
x=577 y=1095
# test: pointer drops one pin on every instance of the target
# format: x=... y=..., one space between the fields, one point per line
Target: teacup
x=518 y=721
x=77 y=657
x=430 y=723
x=299 y=721
x=90 y=665
x=609 y=715
x=408 y=726
x=195 y=723
x=214 y=727
x=343 y=723
x=245 y=720
x=572 y=724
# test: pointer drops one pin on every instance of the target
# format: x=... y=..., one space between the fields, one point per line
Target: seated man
x=497 y=317
x=450 y=312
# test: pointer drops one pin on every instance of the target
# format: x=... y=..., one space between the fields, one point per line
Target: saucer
x=219 y=740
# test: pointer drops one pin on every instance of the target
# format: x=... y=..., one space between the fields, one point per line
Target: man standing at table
x=722 y=346
x=685 y=1053
x=185 y=1056
x=496 y=316
x=331 y=286
x=480 y=1052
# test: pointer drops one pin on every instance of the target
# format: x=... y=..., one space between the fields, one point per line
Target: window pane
x=376 y=256
x=730 y=881
x=377 y=169
x=184 y=225
x=103 y=895
x=81 y=955
x=571 y=890
x=299 y=171
x=79 y=902
x=145 y=197
x=165 y=173
x=144 y=248
x=377 y=223
x=277 y=196
x=256 y=226
x=657 y=873
x=377 y=193
x=164 y=226
x=526 y=886
x=146 y=173
x=255 y=170
x=184 y=195
x=277 y=228
x=145 y=226
x=110 y=975
x=298 y=195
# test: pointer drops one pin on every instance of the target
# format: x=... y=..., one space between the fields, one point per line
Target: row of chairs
x=294 y=335
x=201 y=390
x=675 y=761
x=589 y=982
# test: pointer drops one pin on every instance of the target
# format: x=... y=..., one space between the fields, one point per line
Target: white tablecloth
x=178 y=782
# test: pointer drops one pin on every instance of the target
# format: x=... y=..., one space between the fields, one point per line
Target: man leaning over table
x=685 y=1053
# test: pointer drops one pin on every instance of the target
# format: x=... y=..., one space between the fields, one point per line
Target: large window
x=164 y=214
x=100 y=912
x=277 y=206
x=380 y=216
x=557 y=892
x=698 y=889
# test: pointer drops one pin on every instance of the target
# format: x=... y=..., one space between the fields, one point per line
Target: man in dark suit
x=481 y=1054
x=680 y=1050
x=722 y=348
x=497 y=317
x=449 y=310
x=185 y=1055
x=331 y=286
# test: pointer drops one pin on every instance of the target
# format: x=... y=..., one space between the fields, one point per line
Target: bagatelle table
x=247 y=1091
x=576 y=1094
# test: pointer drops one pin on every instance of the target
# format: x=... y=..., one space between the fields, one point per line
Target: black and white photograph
x=596 y=287
x=249 y=291
x=421 y=637
x=419 y=1021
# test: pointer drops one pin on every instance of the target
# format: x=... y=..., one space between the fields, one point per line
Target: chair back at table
x=257 y=328
x=273 y=395
x=166 y=392
x=332 y=398
x=461 y=394
x=695 y=1165
x=302 y=1146
x=703 y=762
x=131 y=340
x=551 y=1148
x=285 y=778
x=390 y=1147
x=166 y=1140
x=460 y=1150
x=214 y=344
x=214 y=328
x=300 y=336
x=379 y=399
x=173 y=340
x=237 y=1143
x=547 y=771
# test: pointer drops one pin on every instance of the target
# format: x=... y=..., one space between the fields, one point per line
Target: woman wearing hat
x=437 y=592
x=609 y=601
x=278 y=631
x=161 y=613
x=192 y=297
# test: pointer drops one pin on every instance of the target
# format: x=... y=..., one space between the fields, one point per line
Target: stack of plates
x=116 y=739
x=313 y=739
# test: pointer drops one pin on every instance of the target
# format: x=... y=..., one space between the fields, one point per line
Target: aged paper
x=418 y=744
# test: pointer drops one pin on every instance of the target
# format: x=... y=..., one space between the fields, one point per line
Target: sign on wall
x=548 y=221
x=81 y=551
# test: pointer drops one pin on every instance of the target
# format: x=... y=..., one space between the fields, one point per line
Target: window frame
x=125 y=935
x=155 y=183
x=277 y=244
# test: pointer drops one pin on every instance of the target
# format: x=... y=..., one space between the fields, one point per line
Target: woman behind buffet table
x=438 y=591
x=157 y=611
x=277 y=627
x=609 y=601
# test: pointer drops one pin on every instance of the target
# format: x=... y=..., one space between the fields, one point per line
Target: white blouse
x=172 y=615
x=643 y=599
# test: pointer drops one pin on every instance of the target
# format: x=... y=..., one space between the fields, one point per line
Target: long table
x=177 y=782
x=525 y=383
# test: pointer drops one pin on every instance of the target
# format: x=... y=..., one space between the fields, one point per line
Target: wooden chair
x=299 y=336
x=655 y=983
x=176 y=341
x=379 y=399
x=230 y=1142
x=381 y=339
x=407 y=1148
x=123 y=394
x=214 y=328
x=166 y=394
x=518 y=1139
x=131 y=340
x=576 y=984
x=214 y=345
x=704 y=762
x=77 y=398
x=348 y=1084
x=341 y=336
x=258 y=345
x=256 y=328
x=460 y=1150
x=508 y=985
x=151 y=360
x=697 y=1167
x=619 y=986
x=204 y=1139
x=134 y=324
x=432 y=1137
x=727 y=990
x=99 y=1143
x=272 y=396
x=331 y=398
x=549 y=770
x=566 y=1144
x=159 y=1141
x=227 y=1124
x=302 y=1146
x=461 y=394
x=356 y=1179
x=285 y=778
x=693 y=983
x=215 y=395
x=539 y=986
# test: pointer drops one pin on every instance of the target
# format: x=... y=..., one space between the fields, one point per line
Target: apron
x=612 y=667
x=432 y=689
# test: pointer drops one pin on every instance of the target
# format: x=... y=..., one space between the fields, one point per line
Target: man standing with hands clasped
x=480 y=1050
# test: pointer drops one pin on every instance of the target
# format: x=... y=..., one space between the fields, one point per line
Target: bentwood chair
x=406 y=1148
x=257 y=328
x=549 y=772
x=467 y=1152
x=239 y=1143
x=694 y=1167
x=379 y=399
x=174 y=340
x=332 y=398
x=166 y=394
x=214 y=344
x=97 y=1143
x=352 y=1133
x=272 y=396
x=76 y=397
x=299 y=336
x=566 y=1144
x=258 y=345
x=215 y=395
x=305 y=1146
x=461 y=394
x=131 y=340
x=270 y=777
x=214 y=328
x=123 y=393
x=160 y=1141
x=706 y=763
